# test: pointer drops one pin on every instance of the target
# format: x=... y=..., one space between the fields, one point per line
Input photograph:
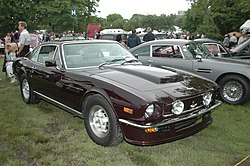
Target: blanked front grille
x=191 y=104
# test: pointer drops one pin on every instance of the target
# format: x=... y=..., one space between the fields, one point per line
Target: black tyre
x=234 y=89
x=100 y=122
x=27 y=93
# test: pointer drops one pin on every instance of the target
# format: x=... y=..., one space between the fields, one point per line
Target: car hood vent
x=152 y=74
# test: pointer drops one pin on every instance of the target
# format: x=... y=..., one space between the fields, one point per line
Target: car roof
x=207 y=40
x=180 y=42
x=80 y=41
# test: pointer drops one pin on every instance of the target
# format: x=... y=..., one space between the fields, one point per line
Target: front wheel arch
x=101 y=122
x=242 y=82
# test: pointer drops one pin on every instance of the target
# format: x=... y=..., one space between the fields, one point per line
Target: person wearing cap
x=149 y=36
x=24 y=39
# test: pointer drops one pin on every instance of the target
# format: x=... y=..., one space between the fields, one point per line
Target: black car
x=118 y=98
x=115 y=37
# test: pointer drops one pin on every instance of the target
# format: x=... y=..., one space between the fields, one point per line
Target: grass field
x=46 y=135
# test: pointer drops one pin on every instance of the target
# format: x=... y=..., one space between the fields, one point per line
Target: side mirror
x=199 y=58
x=50 y=63
x=136 y=56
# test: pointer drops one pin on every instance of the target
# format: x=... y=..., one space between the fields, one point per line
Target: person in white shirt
x=233 y=41
x=24 y=39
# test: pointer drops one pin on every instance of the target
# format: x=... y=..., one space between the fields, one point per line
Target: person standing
x=149 y=36
x=233 y=41
x=226 y=41
x=243 y=37
x=7 y=39
x=24 y=39
x=10 y=56
x=133 y=39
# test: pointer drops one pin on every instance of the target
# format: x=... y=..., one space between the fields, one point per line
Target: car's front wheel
x=100 y=121
x=234 y=89
x=27 y=93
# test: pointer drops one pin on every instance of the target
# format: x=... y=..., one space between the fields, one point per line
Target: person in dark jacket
x=133 y=39
x=149 y=36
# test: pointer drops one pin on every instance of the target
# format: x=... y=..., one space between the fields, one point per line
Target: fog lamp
x=149 y=111
x=207 y=98
x=178 y=107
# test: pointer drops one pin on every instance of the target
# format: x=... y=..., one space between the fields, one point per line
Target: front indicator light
x=178 y=107
x=128 y=110
x=151 y=130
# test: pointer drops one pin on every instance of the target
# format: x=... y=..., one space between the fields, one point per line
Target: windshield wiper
x=111 y=62
x=129 y=61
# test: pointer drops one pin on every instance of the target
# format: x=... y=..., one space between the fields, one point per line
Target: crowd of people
x=233 y=40
x=17 y=43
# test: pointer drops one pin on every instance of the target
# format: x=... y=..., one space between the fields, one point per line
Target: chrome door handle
x=150 y=61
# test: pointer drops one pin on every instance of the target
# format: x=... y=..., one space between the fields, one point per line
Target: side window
x=46 y=53
x=222 y=50
x=57 y=58
x=143 y=51
x=212 y=48
x=34 y=54
x=169 y=51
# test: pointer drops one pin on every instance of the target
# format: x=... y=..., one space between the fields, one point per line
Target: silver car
x=232 y=75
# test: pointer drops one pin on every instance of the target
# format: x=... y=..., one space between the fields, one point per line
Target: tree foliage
x=51 y=15
x=216 y=17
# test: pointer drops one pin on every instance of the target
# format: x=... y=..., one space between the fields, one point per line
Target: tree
x=45 y=14
x=216 y=17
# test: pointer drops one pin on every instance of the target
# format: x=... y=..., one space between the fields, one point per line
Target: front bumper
x=169 y=129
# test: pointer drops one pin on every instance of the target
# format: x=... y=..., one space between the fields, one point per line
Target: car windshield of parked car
x=95 y=54
x=191 y=50
x=66 y=38
x=242 y=46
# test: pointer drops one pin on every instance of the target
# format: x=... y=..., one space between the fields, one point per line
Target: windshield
x=241 y=46
x=95 y=54
x=191 y=50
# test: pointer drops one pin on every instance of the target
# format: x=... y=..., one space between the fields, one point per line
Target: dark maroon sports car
x=118 y=98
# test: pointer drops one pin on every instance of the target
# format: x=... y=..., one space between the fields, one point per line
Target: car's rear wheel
x=100 y=121
x=27 y=93
x=234 y=89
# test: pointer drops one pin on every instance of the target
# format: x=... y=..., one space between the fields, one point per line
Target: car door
x=43 y=78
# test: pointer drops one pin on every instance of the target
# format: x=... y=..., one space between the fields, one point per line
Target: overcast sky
x=129 y=7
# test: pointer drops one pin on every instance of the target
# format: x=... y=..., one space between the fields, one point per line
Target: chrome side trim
x=171 y=121
x=59 y=104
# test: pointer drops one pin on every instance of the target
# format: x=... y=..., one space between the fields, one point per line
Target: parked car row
x=118 y=97
x=241 y=51
x=232 y=75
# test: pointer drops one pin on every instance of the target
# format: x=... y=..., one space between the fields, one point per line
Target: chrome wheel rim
x=99 y=121
x=26 y=89
x=232 y=91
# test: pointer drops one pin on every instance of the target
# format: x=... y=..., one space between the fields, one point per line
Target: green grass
x=46 y=135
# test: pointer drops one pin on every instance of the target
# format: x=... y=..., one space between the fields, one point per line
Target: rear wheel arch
x=234 y=88
x=228 y=74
